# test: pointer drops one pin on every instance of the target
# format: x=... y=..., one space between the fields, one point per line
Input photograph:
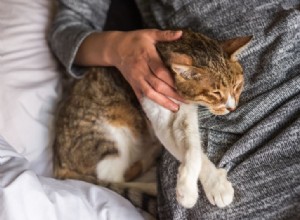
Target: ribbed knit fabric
x=259 y=143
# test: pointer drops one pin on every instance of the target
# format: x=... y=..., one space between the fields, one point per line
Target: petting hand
x=134 y=54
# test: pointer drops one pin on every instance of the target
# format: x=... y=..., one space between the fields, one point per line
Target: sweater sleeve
x=74 y=21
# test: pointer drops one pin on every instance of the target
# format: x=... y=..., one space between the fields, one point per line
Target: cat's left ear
x=234 y=46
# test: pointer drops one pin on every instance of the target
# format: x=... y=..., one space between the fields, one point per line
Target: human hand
x=135 y=55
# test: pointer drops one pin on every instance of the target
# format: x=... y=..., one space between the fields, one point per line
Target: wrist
x=98 y=49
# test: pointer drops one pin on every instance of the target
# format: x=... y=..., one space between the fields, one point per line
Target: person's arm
x=74 y=21
x=78 y=40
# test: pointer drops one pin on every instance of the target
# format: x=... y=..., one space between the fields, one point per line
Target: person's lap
x=258 y=143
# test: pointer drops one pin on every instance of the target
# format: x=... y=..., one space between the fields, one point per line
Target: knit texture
x=259 y=143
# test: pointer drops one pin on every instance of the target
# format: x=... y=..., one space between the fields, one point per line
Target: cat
x=105 y=135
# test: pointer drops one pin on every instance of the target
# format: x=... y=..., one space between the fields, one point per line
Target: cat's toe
x=219 y=190
x=186 y=195
x=225 y=196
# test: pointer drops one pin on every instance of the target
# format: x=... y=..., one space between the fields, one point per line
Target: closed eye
x=217 y=93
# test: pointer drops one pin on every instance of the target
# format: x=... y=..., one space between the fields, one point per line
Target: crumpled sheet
x=25 y=195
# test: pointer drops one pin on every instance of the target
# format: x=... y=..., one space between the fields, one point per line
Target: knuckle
x=159 y=71
x=135 y=63
x=149 y=93
x=168 y=34
x=158 y=87
x=164 y=35
x=159 y=34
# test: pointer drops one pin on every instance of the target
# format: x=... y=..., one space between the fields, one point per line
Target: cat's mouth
x=222 y=110
x=219 y=111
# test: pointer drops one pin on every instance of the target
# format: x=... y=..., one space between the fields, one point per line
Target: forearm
x=78 y=40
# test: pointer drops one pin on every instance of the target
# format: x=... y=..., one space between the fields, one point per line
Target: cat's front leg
x=185 y=129
x=187 y=180
x=218 y=189
x=179 y=135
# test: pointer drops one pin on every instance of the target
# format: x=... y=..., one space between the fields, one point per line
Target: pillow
x=29 y=81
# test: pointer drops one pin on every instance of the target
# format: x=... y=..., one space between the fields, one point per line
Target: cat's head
x=213 y=77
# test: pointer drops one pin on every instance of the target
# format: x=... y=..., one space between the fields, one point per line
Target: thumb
x=167 y=35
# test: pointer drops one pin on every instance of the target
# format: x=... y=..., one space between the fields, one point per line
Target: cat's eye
x=217 y=93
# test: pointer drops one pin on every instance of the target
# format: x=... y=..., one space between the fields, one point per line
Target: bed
x=30 y=87
x=260 y=141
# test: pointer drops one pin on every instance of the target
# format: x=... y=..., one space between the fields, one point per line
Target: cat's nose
x=231 y=109
x=230 y=104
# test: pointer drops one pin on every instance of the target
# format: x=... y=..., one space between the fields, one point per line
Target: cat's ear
x=180 y=58
x=234 y=46
x=185 y=71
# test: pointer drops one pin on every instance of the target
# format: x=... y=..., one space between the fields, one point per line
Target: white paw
x=218 y=189
x=187 y=194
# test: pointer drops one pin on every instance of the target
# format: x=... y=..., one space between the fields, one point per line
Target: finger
x=163 y=88
x=168 y=35
x=158 y=69
x=159 y=98
x=138 y=93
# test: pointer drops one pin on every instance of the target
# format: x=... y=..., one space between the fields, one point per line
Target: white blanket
x=29 y=91
x=26 y=196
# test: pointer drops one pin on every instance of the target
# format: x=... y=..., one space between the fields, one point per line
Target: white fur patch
x=178 y=132
x=231 y=103
x=113 y=168
x=180 y=136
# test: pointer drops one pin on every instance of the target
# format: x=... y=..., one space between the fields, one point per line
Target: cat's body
x=103 y=133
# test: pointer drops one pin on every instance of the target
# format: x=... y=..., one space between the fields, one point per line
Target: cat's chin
x=219 y=111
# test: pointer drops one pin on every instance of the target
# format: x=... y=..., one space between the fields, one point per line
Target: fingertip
x=168 y=35
x=178 y=33
x=174 y=35
x=174 y=107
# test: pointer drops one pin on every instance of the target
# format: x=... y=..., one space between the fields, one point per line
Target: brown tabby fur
x=103 y=96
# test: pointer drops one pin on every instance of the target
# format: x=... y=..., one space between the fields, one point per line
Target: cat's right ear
x=185 y=71
x=235 y=46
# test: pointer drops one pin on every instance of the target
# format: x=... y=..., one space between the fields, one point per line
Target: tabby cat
x=104 y=135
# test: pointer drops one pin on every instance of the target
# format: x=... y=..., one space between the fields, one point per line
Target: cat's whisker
x=204 y=117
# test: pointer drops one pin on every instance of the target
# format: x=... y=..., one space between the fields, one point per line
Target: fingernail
x=175 y=108
x=177 y=33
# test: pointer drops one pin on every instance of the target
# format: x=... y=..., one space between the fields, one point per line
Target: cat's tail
x=141 y=195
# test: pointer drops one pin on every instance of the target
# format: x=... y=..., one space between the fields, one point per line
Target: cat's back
x=98 y=93
x=103 y=86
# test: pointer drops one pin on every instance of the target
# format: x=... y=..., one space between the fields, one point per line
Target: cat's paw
x=187 y=194
x=218 y=189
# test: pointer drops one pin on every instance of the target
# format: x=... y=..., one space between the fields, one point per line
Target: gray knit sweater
x=259 y=143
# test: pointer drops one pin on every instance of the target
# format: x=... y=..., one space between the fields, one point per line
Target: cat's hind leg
x=137 y=152
x=147 y=160
x=113 y=167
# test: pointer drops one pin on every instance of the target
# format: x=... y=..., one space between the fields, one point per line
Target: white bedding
x=29 y=90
